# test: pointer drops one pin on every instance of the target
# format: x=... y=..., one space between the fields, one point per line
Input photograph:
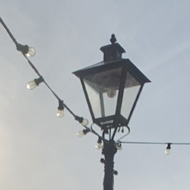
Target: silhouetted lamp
x=112 y=87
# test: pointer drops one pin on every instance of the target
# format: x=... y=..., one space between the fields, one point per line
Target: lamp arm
x=94 y=132
x=125 y=134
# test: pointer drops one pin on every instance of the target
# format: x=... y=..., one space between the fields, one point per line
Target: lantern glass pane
x=132 y=87
x=110 y=102
x=94 y=98
x=102 y=89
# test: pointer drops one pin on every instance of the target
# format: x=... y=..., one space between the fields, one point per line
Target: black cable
x=38 y=73
x=155 y=143
x=8 y=31
x=32 y=65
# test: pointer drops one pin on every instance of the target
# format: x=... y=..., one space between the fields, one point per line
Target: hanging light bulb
x=168 y=149
x=25 y=49
x=118 y=145
x=84 y=122
x=111 y=93
x=99 y=144
x=60 y=111
x=31 y=52
x=82 y=133
x=32 y=84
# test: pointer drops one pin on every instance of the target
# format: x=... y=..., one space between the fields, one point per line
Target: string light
x=99 y=144
x=168 y=149
x=118 y=145
x=83 y=132
x=29 y=51
x=84 y=122
x=60 y=111
x=32 y=84
x=25 y=49
x=168 y=144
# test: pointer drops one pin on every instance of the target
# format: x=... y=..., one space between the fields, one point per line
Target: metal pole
x=109 y=151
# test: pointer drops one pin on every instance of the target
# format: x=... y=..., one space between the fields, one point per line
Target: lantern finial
x=113 y=39
x=112 y=51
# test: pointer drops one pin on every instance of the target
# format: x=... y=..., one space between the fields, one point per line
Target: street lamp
x=112 y=88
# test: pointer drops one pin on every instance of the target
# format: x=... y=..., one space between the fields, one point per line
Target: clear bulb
x=31 y=85
x=168 y=151
x=80 y=134
x=118 y=146
x=60 y=113
x=111 y=93
x=31 y=52
x=84 y=122
x=99 y=146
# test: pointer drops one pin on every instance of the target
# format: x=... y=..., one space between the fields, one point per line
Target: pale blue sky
x=39 y=151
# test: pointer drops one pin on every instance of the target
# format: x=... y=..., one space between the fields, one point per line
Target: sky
x=39 y=151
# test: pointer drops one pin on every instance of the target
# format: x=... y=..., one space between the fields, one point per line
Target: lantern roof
x=101 y=66
x=112 y=59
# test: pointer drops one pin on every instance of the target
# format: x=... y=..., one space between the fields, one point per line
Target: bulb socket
x=22 y=48
x=39 y=80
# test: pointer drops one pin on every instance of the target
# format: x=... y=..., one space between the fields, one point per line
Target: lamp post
x=112 y=88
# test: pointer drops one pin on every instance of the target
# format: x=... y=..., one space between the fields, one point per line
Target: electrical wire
x=154 y=143
x=8 y=31
x=38 y=73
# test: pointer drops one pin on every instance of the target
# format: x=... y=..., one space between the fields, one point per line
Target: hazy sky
x=39 y=151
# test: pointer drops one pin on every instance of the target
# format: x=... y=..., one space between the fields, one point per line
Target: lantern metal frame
x=112 y=61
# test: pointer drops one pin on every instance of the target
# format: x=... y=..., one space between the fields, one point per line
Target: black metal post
x=109 y=151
